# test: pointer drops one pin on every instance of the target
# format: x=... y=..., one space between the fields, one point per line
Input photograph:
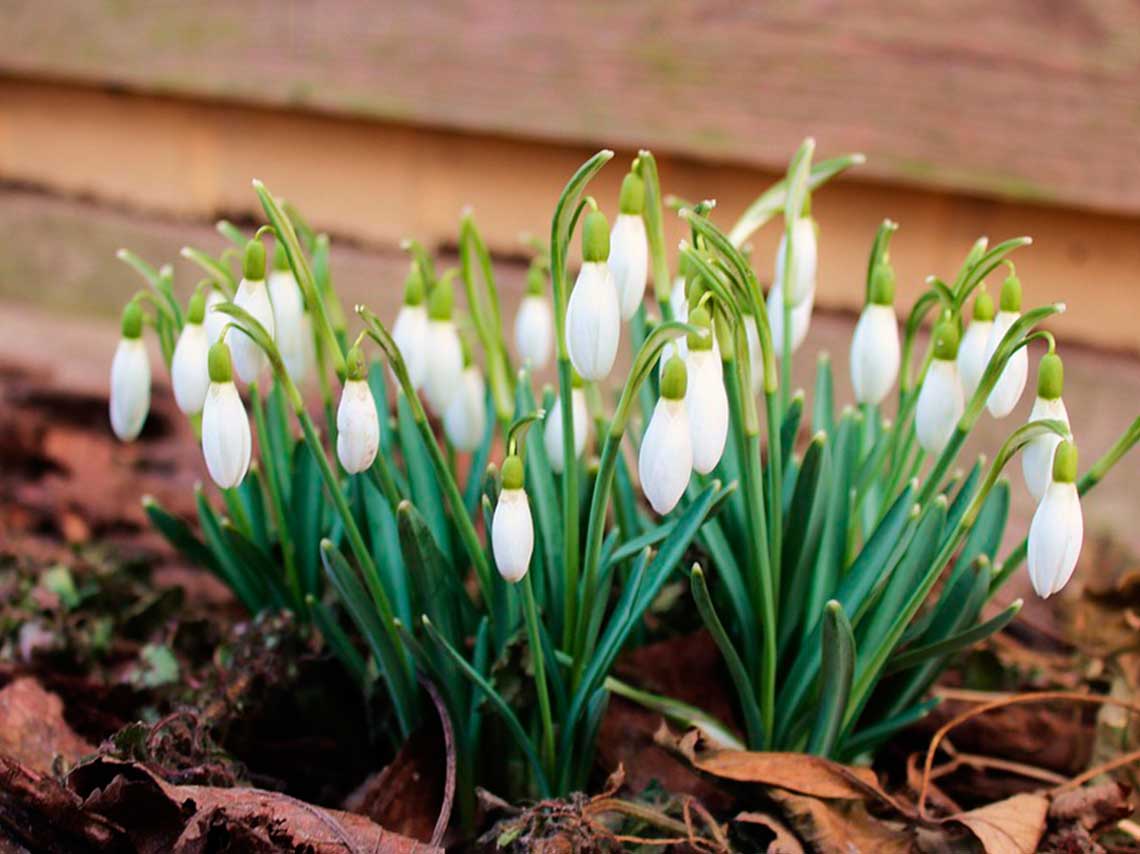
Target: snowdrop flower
x=443 y=359
x=1057 y=529
x=189 y=368
x=465 y=420
x=665 y=461
x=410 y=329
x=940 y=401
x=534 y=324
x=552 y=437
x=1007 y=391
x=706 y=400
x=593 y=315
x=215 y=321
x=629 y=247
x=357 y=421
x=801 y=319
x=972 y=358
x=226 y=441
x=252 y=294
x=875 y=345
x=512 y=529
x=1037 y=456
x=130 y=377
x=678 y=302
x=804 y=271
x=288 y=316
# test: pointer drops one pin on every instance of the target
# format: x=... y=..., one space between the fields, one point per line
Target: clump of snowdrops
x=815 y=566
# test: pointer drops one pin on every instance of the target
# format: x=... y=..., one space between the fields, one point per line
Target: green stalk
x=276 y=503
x=534 y=639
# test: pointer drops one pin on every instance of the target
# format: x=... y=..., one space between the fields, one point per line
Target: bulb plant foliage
x=838 y=575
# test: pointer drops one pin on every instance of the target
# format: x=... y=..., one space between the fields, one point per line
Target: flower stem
x=533 y=638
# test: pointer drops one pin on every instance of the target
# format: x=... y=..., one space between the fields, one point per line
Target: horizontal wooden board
x=1020 y=99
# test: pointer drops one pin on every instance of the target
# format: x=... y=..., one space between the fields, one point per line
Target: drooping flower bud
x=443 y=360
x=629 y=247
x=593 y=314
x=552 y=436
x=252 y=295
x=512 y=528
x=1037 y=456
x=875 y=351
x=288 y=312
x=803 y=285
x=534 y=324
x=215 y=320
x=357 y=421
x=665 y=461
x=972 y=358
x=1057 y=530
x=706 y=400
x=1007 y=391
x=189 y=367
x=801 y=320
x=465 y=420
x=226 y=440
x=940 y=401
x=130 y=377
x=410 y=329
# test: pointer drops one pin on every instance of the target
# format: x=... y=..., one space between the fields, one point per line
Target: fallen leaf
x=405 y=797
x=783 y=840
x=1012 y=826
x=1093 y=807
x=32 y=729
x=842 y=827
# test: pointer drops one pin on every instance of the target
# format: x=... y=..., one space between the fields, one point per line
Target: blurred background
x=130 y=123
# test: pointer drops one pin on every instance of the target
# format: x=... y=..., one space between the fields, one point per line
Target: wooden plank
x=1020 y=99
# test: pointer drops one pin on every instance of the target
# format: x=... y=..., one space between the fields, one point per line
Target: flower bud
x=593 y=315
x=1057 y=530
x=875 y=353
x=1007 y=390
x=226 y=440
x=804 y=272
x=940 y=401
x=130 y=377
x=189 y=367
x=215 y=321
x=665 y=461
x=1037 y=456
x=465 y=420
x=534 y=323
x=288 y=310
x=801 y=320
x=410 y=329
x=443 y=362
x=629 y=247
x=252 y=295
x=972 y=357
x=357 y=421
x=512 y=528
x=706 y=400
x=552 y=437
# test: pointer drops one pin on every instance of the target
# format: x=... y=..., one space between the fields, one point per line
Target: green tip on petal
x=1065 y=462
x=441 y=301
x=253 y=264
x=632 y=198
x=675 y=379
x=1011 y=294
x=946 y=338
x=535 y=281
x=414 y=287
x=1050 y=377
x=221 y=367
x=983 y=306
x=700 y=317
x=883 y=284
x=595 y=237
x=196 y=310
x=355 y=365
x=132 y=325
x=512 y=472
x=280 y=257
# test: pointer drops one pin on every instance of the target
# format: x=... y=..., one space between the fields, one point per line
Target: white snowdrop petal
x=534 y=330
x=801 y=320
x=288 y=313
x=512 y=534
x=629 y=261
x=1055 y=537
x=972 y=358
x=465 y=420
x=130 y=389
x=248 y=359
x=1037 y=456
x=358 y=427
x=443 y=364
x=552 y=429
x=707 y=404
x=755 y=354
x=593 y=322
x=665 y=461
x=410 y=334
x=940 y=405
x=1007 y=391
x=226 y=440
x=875 y=354
x=189 y=368
x=806 y=261
x=214 y=321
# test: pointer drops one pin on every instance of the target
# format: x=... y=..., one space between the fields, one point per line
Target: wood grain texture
x=1030 y=99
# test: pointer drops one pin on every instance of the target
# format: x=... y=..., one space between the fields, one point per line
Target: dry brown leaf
x=842 y=827
x=32 y=729
x=1012 y=826
x=785 y=841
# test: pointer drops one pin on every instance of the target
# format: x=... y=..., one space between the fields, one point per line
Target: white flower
x=1007 y=391
x=801 y=319
x=249 y=359
x=707 y=404
x=940 y=405
x=803 y=285
x=552 y=429
x=226 y=441
x=512 y=529
x=130 y=378
x=358 y=427
x=678 y=302
x=534 y=330
x=443 y=365
x=307 y=352
x=629 y=261
x=1037 y=456
x=593 y=322
x=465 y=420
x=288 y=322
x=410 y=329
x=1057 y=530
x=215 y=321
x=875 y=353
x=665 y=461
x=972 y=358
x=189 y=368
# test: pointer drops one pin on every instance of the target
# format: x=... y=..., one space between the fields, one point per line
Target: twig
x=444 y=819
x=1084 y=777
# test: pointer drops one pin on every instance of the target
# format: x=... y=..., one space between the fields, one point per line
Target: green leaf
x=421 y=478
x=867 y=739
x=954 y=643
x=802 y=535
x=338 y=641
x=305 y=510
x=437 y=589
x=790 y=427
x=235 y=574
x=837 y=646
x=179 y=535
x=823 y=400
